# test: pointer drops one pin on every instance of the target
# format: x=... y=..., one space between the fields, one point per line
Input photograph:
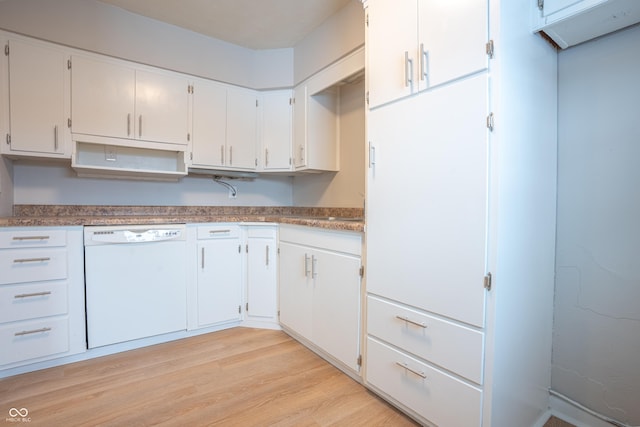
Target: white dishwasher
x=135 y=278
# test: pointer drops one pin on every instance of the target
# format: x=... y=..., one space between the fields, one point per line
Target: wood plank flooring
x=236 y=377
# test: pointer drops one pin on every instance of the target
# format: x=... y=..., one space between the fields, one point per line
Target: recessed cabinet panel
x=276 y=130
x=209 y=123
x=242 y=128
x=37 y=99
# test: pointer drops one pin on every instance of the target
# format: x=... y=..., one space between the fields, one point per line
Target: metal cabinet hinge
x=239 y=249
x=189 y=88
x=69 y=122
x=68 y=64
x=257 y=103
x=541 y=4
x=246 y=248
x=487 y=281
x=361 y=271
x=366 y=19
x=8 y=139
x=290 y=101
x=6 y=49
x=246 y=307
x=489 y=48
x=490 y=122
x=188 y=137
x=366 y=97
x=191 y=156
x=359 y=360
x=239 y=309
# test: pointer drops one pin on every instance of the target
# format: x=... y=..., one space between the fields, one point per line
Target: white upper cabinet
x=276 y=130
x=38 y=107
x=242 y=128
x=225 y=126
x=423 y=43
x=116 y=100
x=209 y=124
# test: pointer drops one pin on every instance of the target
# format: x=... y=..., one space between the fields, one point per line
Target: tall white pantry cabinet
x=461 y=199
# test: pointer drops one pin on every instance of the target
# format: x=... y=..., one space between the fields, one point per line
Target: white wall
x=596 y=345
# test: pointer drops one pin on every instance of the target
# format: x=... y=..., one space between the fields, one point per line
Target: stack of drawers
x=38 y=292
x=430 y=365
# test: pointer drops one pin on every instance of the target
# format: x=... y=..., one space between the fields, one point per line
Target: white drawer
x=32 y=265
x=32 y=339
x=218 y=231
x=431 y=393
x=32 y=238
x=452 y=346
x=22 y=302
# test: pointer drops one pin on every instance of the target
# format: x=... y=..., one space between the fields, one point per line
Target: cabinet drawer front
x=349 y=242
x=431 y=393
x=36 y=238
x=32 y=339
x=218 y=231
x=454 y=347
x=19 y=266
x=21 y=302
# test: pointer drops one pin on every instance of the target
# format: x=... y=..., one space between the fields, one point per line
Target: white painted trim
x=562 y=409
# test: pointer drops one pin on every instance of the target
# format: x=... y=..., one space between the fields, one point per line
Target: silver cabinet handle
x=222 y=154
x=226 y=230
x=266 y=157
x=55 y=137
x=314 y=262
x=202 y=261
x=424 y=61
x=301 y=153
x=408 y=69
x=372 y=155
x=413 y=371
x=140 y=126
x=413 y=322
x=231 y=155
x=33 y=331
x=129 y=124
x=306 y=265
x=31 y=238
x=31 y=295
x=267 y=256
x=23 y=260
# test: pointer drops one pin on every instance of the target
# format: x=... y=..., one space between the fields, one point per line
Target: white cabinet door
x=209 y=123
x=219 y=280
x=336 y=305
x=242 y=128
x=276 y=130
x=296 y=289
x=37 y=99
x=434 y=258
x=162 y=107
x=102 y=98
x=392 y=28
x=262 y=274
x=451 y=41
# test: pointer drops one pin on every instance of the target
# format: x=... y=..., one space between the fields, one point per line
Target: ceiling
x=255 y=24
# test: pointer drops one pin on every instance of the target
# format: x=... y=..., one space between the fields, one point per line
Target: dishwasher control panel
x=95 y=235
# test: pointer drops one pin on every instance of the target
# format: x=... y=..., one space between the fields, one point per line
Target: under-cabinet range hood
x=100 y=157
x=570 y=22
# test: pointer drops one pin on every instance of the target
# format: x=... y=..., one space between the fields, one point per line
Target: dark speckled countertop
x=347 y=219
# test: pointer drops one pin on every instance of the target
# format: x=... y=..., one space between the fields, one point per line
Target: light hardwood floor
x=236 y=377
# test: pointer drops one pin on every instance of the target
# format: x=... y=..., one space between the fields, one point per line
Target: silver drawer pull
x=31 y=238
x=23 y=260
x=413 y=371
x=35 y=294
x=33 y=331
x=219 y=231
x=413 y=322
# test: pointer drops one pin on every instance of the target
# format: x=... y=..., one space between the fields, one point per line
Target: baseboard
x=574 y=415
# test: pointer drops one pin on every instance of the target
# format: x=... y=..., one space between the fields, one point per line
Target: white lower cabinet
x=261 y=307
x=218 y=290
x=320 y=290
x=42 y=314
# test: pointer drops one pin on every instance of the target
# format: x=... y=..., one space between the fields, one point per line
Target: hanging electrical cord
x=231 y=188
